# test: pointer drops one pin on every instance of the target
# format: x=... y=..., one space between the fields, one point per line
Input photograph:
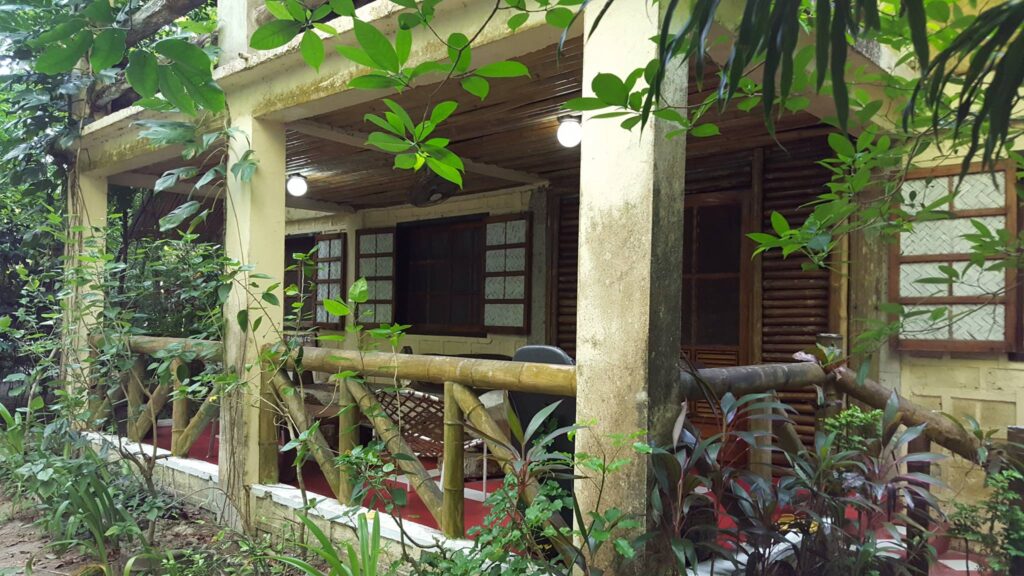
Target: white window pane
x=495 y=261
x=494 y=288
x=944 y=236
x=383 y=313
x=322 y=291
x=385 y=266
x=923 y=327
x=366 y=313
x=384 y=289
x=979 y=322
x=321 y=314
x=977 y=281
x=515 y=259
x=516 y=232
x=922 y=192
x=323 y=270
x=323 y=249
x=336 y=248
x=385 y=243
x=505 y=315
x=368 y=244
x=496 y=234
x=981 y=191
x=515 y=287
x=911 y=273
x=335 y=270
x=335 y=291
x=367 y=266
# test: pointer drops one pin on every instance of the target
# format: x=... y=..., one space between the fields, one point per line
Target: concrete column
x=87 y=222
x=254 y=236
x=631 y=224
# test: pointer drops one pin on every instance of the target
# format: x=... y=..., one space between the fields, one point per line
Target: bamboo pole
x=269 y=438
x=179 y=406
x=421 y=481
x=296 y=409
x=453 y=481
x=348 y=434
x=474 y=372
x=149 y=345
x=202 y=418
x=147 y=419
x=133 y=383
x=743 y=380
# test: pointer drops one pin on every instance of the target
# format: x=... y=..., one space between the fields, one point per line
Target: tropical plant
x=348 y=561
x=996 y=525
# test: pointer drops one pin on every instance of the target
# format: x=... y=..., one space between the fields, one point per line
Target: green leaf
x=186 y=54
x=476 y=86
x=204 y=92
x=336 y=308
x=277 y=8
x=459 y=51
x=387 y=142
x=779 y=224
x=343 y=7
x=841 y=145
x=610 y=88
x=505 y=69
x=357 y=55
x=99 y=12
x=5 y=322
x=373 y=82
x=107 y=49
x=376 y=45
x=141 y=73
x=406 y=161
x=442 y=111
x=515 y=22
x=179 y=215
x=59 y=58
x=243 y=319
x=312 y=49
x=559 y=17
x=585 y=104
x=403 y=45
x=274 y=34
x=704 y=130
x=359 y=291
x=174 y=91
x=445 y=171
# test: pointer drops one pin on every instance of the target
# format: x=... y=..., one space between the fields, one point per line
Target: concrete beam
x=358 y=140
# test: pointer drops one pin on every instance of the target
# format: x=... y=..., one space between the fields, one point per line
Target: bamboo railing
x=145 y=402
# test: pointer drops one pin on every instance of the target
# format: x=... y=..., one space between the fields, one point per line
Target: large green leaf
x=60 y=58
x=188 y=55
x=476 y=86
x=179 y=215
x=204 y=92
x=506 y=69
x=274 y=34
x=376 y=46
x=174 y=90
x=107 y=49
x=312 y=49
x=142 y=73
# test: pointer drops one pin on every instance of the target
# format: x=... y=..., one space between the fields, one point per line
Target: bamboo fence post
x=348 y=434
x=919 y=514
x=133 y=383
x=147 y=419
x=269 y=438
x=421 y=481
x=202 y=418
x=832 y=399
x=295 y=406
x=1015 y=437
x=453 y=479
x=179 y=406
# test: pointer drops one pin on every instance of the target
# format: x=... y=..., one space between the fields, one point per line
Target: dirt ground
x=21 y=543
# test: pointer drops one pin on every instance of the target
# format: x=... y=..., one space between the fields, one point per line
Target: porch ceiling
x=512 y=131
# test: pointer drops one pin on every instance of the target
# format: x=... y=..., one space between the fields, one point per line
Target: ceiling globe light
x=297 y=185
x=570 y=131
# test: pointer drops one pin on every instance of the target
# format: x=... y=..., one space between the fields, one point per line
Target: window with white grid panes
x=507 y=274
x=330 y=277
x=978 y=312
x=375 y=250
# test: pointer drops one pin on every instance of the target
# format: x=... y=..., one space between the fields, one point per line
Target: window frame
x=342 y=281
x=527 y=274
x=1011 y=298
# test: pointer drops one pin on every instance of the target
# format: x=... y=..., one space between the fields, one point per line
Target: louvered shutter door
x=795 y=303
x=567 y=251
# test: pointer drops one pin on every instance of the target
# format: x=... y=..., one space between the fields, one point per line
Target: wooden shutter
x=330 y=276
x=562 y=280
x=795 y=302
x=507 y=274
x=978 y=314
x=375 y=252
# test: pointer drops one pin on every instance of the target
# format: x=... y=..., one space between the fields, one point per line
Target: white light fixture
x=570 y=131
x=297 y=185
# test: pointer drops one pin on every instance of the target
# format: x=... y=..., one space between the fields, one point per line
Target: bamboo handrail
x=133 y=383
x=348 y=434
x=151 y=345
x=474 y=372
x=179 y=407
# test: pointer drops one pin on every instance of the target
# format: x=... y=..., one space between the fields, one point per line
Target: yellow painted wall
x=501 y=202
x=988 y=388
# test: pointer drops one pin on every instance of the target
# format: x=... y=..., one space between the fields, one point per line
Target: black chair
x=528 y=404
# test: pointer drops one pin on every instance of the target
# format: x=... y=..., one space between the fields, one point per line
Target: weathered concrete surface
x=631 y=223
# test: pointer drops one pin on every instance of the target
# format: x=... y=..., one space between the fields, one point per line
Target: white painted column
x=87 y=222
x=254 y=236
x=236 y=21
x=631 y=224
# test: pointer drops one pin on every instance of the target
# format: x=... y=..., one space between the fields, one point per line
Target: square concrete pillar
x=87 y=222
x=630 y=268
x=254 y=237
x=236 y=21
